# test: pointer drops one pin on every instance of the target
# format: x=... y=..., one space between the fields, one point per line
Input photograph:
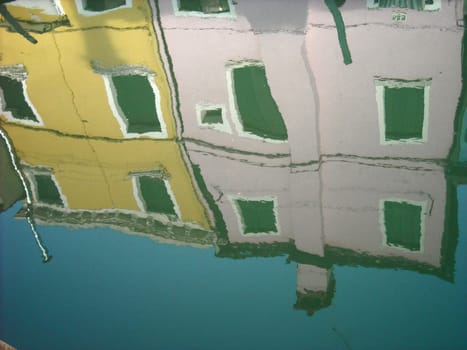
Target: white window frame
x=203 y=107
x=231 y=14
x=436 y=6
x=31 y=172
x=234 y=112
x=18 y=72
x=122 y=120
x=139 y=196
x=381 y=84
x=37 y=4
x=83 y=12
x=233 y=201
x=423 y=213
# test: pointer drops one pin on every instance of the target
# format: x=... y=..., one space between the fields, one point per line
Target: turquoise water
x=107 y=290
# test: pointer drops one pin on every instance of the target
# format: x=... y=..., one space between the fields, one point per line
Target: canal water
x=220 y=174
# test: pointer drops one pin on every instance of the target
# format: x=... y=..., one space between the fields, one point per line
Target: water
x=220 y=175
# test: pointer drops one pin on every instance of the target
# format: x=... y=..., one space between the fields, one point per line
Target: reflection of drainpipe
x=29 y=210
x=14 y=23
x=333 y=6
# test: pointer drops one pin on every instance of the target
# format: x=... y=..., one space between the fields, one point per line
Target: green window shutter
x=404 y=110
x=47 y=191
x=411 y=4
x=259 y=113
x=137 y=102
x=190 y=5
x=14 y=100
x=212 y=116
x=102 y=5
x=155 y=195
x=257 y=216
x=205 y=6
x=403 y=225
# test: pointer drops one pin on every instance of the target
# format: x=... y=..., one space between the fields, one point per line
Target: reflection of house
x=385 y=123
x=93 y=125
x=400 y=93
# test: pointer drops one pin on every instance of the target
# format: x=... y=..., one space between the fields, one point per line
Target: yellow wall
x=68 y=95
x=81 y=140
x=94 y=174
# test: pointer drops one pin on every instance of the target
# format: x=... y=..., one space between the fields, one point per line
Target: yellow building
x=89 y=111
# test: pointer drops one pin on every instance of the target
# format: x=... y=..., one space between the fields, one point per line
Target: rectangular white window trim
x=134 y=100
x=402 y=223
x=154 y=194
x=204 y=8
x=45 y=187
x=403 y=110
x=99 y=7
x=15 y=104
x=256 y=216
x=212 y=116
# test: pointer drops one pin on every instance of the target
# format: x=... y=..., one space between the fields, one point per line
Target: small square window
x=212 y=116
x=205 y=6
x=257 y=215
x=403 y=222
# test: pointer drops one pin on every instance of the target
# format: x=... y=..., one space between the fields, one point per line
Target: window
x=256 y=215
x=97 y=7
x=134 y=99
x=403 y=223
x=403 y=110
x=14 y=100
x=419 y=5
x=154 y=194
x=204 y=8
x=45 y=188
x=212 y=117
x=254 y=110
x=102 y=5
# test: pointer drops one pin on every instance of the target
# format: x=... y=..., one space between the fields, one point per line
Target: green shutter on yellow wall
x=136 y=100
x=14 y=100
x=155 y=195
x=102 y=5
x=47 y=191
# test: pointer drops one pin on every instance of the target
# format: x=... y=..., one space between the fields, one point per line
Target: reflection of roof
x=312 y=301
x=133 y=223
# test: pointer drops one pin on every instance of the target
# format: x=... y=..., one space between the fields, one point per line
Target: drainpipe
x=29 y=209
x=340 y=26
x=14 y=23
